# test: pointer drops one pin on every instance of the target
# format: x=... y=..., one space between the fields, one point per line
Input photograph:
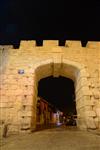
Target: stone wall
x=4 y=56
x=19 y=91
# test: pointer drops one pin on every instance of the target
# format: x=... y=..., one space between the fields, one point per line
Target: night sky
x=49 y=19
x=59 y=92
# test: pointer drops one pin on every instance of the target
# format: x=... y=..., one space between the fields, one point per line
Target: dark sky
x=59 y=92
x=50 y=19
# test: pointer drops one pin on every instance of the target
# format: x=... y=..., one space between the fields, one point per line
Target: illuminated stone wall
x=19 y=91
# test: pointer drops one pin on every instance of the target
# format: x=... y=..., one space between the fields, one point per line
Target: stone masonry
x=22 y=68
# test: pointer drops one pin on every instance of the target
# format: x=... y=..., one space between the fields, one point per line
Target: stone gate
x=21 y=70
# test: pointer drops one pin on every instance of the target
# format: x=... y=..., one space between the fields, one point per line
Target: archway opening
x=58 y=93
x=78 y=74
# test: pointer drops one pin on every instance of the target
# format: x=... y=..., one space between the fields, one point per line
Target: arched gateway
x=74 y=71
x=23 y=69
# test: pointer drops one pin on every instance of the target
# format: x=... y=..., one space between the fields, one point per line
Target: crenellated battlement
x=54 y=43
x=21 y=69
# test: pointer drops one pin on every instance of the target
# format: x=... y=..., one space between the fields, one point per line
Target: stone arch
x=79 y=74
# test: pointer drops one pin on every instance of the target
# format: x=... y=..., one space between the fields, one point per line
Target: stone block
x=96 y=96
x=82 y=82
x=86 y=91
x=28 y=92
x=97 y=110
x=27 y=44
x=82 y=93
x=83 y=73
x=17 y=92
x=90 y=123
x=81 y=124
x=27 y=102
x=13 y=129
x=25 y=123
x=10 y=104
x=96 y=120
x=26 y=113
x=4 y=99
x=90 y=113
x=3 y=105
x=50 y=43
x=87 y=108
x=94 y=45
x=14 y=87
x=74 y=44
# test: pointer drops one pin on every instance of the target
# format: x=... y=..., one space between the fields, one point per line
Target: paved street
x=61 y=138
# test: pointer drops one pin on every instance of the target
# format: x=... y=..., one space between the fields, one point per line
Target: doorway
x=76 y=73
x=60 y=93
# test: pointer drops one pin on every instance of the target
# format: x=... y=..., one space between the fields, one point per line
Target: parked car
x=71 y=120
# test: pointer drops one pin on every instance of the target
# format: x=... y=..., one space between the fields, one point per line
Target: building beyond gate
x=21 y=70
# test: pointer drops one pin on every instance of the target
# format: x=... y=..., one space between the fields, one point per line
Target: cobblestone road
x=53 y=139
